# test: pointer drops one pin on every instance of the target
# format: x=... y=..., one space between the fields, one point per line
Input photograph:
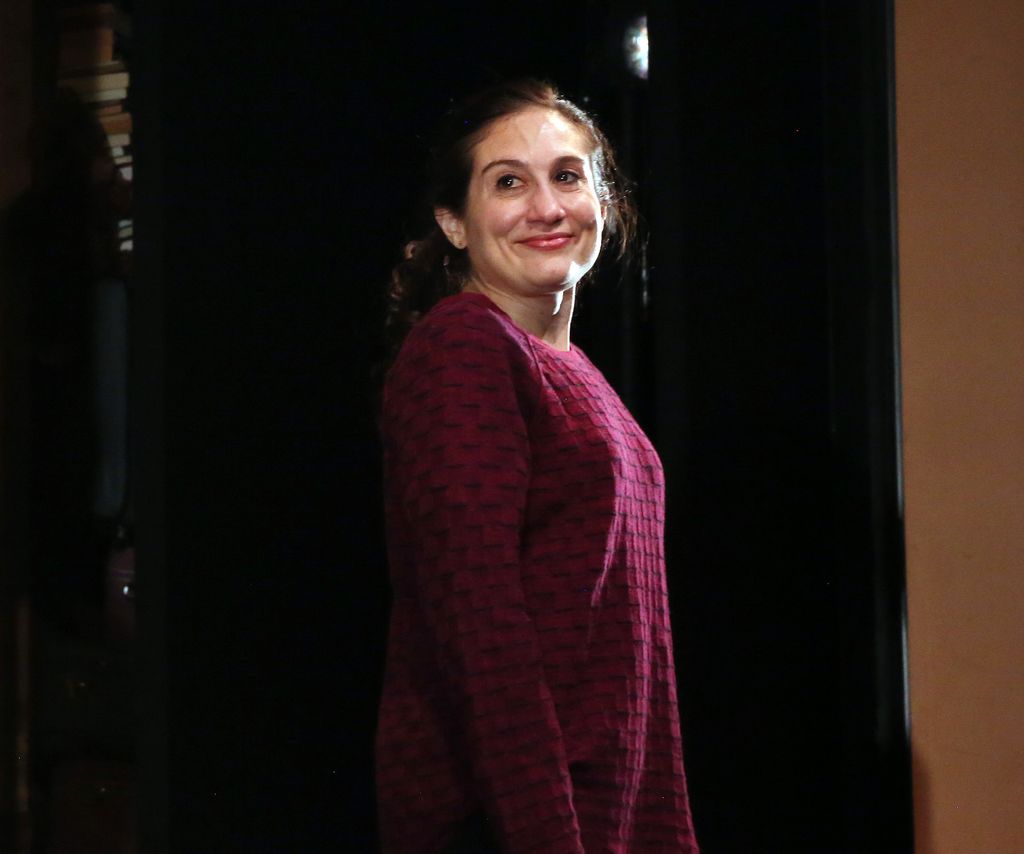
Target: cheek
x=587 y=211
x=492 y=222
x=502 y=219
x=588 y=215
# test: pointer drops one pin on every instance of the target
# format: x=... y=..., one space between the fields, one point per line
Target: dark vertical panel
x=748 y=531
x=776 y=414
x=865 y=425
x=146 y=428
x=274 y=574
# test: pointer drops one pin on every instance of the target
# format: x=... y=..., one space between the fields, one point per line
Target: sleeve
x=459 y=458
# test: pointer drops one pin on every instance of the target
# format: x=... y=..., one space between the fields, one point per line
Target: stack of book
x=90 y=63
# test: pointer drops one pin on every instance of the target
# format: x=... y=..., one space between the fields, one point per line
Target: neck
x=546 y=316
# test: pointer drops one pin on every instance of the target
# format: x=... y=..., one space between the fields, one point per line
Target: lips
x=548 y=242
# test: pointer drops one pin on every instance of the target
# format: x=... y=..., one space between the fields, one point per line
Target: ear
x=452 y=227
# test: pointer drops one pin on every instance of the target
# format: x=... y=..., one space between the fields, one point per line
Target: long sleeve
x=458 y=463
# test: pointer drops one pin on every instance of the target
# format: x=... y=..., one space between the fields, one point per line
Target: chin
x=561 y=278
x=552 y=284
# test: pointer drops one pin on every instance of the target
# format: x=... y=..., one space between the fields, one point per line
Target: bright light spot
x=636 y=47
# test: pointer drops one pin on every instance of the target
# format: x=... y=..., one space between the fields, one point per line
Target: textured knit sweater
x=529 y=672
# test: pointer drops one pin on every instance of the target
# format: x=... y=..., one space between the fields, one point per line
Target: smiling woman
x=529 y=700
x=533 y=220
x=507 y=132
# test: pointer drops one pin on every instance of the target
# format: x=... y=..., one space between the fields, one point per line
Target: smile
x=547 y=241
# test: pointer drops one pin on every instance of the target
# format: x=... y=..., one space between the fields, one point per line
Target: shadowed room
x=818 y=329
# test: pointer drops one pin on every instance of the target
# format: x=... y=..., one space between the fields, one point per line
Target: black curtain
x=775 y=290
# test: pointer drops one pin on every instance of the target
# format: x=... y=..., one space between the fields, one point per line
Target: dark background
x=278 y=159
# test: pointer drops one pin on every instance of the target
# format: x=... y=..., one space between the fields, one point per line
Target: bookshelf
x=67 y=651
x=93 y=46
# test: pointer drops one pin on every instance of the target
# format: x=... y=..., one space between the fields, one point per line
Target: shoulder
x=463 y=317
x=463 y=354
x=464 y=331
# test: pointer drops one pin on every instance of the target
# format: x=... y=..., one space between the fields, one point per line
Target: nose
x=545 y=206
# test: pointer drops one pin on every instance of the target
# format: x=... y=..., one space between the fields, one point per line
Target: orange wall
x=960 y=142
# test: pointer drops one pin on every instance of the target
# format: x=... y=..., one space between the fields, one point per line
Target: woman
x=529 y=691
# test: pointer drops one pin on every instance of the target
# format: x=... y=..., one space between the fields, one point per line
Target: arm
x=458 y=453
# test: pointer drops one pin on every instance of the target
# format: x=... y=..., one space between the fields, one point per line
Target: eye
x=507 y=182
x=567 y=176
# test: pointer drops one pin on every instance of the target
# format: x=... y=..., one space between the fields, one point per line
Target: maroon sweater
x=529 y=670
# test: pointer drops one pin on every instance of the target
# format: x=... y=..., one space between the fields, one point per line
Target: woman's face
x=533 y=221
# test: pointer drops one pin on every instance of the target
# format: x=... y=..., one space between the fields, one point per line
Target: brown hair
x=431 y=267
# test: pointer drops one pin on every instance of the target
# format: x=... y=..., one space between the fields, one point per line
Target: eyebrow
x=519 y=164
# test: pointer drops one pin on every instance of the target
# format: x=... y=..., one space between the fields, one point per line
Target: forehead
x=535 y=133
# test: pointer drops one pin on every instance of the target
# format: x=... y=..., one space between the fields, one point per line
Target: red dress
x=529 y=670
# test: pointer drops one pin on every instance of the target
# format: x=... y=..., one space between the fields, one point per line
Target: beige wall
x=960 y=143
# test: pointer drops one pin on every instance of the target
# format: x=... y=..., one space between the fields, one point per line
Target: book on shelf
x=104 y=95
x=87 y=85
x=119 y=140
x=87 y=48
x=116 y=123
x=114 y=66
